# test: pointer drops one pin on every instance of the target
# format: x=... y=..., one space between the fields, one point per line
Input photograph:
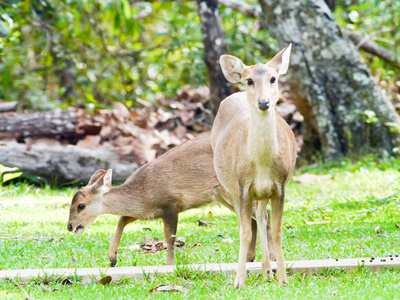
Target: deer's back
x=181 y=179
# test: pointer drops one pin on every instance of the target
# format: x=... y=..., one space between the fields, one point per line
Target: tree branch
x=371 y=47
x=244 y=8
x=356 y=37
x=133 y=53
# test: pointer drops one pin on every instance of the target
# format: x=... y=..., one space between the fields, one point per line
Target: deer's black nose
x=69 y=227
x=263 y=104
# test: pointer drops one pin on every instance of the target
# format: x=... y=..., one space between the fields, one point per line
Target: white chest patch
x=263 y=184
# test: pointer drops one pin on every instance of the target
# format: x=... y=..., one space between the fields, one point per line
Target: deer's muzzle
x=263 y=104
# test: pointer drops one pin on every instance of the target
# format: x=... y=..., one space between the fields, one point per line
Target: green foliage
x=81 y=52
x=378 y=21
x=74 y=52
x=7 y=174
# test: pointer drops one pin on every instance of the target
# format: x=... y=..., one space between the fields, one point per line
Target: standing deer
x=254 y=154
x=183 y=178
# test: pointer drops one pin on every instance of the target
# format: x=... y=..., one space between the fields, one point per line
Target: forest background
x=150 y=57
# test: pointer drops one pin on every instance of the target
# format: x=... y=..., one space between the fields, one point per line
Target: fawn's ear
x=107 y=181
x=232 y=67
x=96 y=175
x=103 y=183
x=281 y=60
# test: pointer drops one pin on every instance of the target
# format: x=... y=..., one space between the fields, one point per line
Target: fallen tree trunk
x=64 y=164
x=70 y=125
x=8 y=106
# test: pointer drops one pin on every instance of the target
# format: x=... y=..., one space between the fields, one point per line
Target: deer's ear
x=107 y=181
x=96 y=175
x=281 y=60
x=232 y=67
x=103 y=183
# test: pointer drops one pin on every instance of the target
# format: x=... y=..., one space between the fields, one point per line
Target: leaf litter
x=141 y=134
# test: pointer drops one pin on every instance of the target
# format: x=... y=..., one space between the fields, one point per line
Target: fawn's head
x=87 y=204
x=261 y=80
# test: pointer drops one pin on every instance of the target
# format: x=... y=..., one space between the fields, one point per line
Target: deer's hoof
x=113 y=263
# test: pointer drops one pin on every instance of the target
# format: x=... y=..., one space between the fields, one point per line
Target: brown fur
x=181 y=179
x=254 y=154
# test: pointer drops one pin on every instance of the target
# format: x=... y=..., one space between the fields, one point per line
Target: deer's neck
x=119 y=201
x=262 y=144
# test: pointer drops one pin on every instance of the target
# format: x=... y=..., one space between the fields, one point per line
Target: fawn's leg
x=112 y=251
x=170 y=226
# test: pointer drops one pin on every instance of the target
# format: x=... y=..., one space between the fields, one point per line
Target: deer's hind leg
x=170 y=227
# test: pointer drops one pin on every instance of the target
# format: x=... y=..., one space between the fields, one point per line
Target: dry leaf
x=132 y=248
x=156 y=245
x=105 y=280
x=318 y=223
x=286 y=110
x=120 y=110
x=169 y=288
x=66 y=281
x=310 y=178
x=228 y=240
x=204 y=223
x=90 y=141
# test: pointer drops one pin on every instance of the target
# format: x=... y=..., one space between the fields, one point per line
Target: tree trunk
x=330 y=83
x=331 y=4
x=64 y=164
x=214 y=47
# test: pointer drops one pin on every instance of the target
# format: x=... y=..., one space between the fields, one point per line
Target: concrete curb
x=307 y=267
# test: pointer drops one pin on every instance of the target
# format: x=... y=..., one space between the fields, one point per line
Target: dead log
x=70 y=125
x=64 y=164
x=8 y=106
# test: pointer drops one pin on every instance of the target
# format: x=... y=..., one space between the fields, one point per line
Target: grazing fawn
x=183 y=178
x=254 y=154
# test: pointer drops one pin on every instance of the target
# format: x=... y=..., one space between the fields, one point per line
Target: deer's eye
x=273 y=79
x=250 y=81
x=81 y=207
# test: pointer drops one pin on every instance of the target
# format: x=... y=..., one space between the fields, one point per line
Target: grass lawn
x=361 y=201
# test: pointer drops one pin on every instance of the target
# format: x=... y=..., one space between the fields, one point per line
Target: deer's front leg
x=244 y=211
x=266 y=263
x=277 y=213
x=271 y=249
x=112 y=251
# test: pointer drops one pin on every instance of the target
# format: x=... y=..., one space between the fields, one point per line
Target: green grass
x=361 y=201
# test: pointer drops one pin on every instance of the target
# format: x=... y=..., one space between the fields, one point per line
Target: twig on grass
x=22 y=288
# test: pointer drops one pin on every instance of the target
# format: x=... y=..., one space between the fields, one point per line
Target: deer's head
x=87 y=204
x=260 y=81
